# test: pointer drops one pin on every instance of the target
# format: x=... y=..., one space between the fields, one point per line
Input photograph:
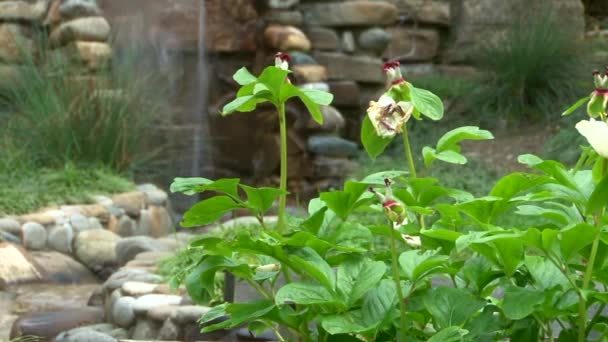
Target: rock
x=128 y=248
x=70 y=9
x=418 y=69
x=85 y=336
x=348 y=42
x=49 y=324
x=62 y=269
x=8 y=237
x=93 y=55
x=145 y=330
x=332 y=146
x=94 y=223
x=282 y=4
x=332 y=119
x=130 y=202
x=122 y=312
x=126 y=226
x=120 y=334
x=42 y=218
x=17 y=266
x=323 y=38
x=161 y=223
x=152 y=257
x=189 y=314
x=60 y=238
x=79 y=222
x=156 y=197
x=147 y=302
x=137 y=288
x=424 y=11
x=144 y=223
x=16 y=44
x=23 y=10
x=10 y=225
x=96 y=249
x=90 y=210
x=117 y=279
x=315 y=85
x=267 y=335
x=161 y=313
x=104 y=328
x=103 y=200
x=411 y=45
x=169 y=331
x=356 y=68
x=97 y=297
x=375 y=39
x=33 y=236
x=286 y=38
x=333 y=167
x=294 y=18
x=309 y=73
x=346 y=93
x=94 y=29
x=350 y=13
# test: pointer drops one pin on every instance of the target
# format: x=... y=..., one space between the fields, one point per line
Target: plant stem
x=408 y=151
x=397 y=277
x=283 y=184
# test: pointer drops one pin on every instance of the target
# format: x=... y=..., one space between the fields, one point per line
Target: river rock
x=126 y=226
x=375 y=39
x=23 y=10
x=294 y=18
x=169 y=331
x=79 y=222
x=93 y=55
x=103 y=328
x=94 y=223
x=130 y=202
x=94 y=29
x=153 y=195
x=60 y=238
x=122 y=312
x=161 y=313
x=145 y=330
x=348 y=42
x=79 y=8
x=309 y=73
x=17 y=266
x=85 y=336
x=49 y=324
x=346 y=93
x=413 y=45
x=33 y=235
x=96 y=249
x=286 y=38
x=8 y=237
x=161 y=223
x=189 y=313
x=42 y=218
x=323 y=38
x=137 y=288
x=128 y=248
x=350 y=13
x=60 y=268
x=357 y=68
x=147 y=302
x=332 y=146
x=117 y=279
x=10 y=225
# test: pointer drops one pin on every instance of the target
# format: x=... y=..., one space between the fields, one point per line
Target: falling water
x=202 y=152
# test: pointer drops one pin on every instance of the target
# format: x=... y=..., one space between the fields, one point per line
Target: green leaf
x=429 y=104
x=191 y=186
x=576 y=105
x=209 y=211
x=344 y=202
x=450 y=334
x=441 y=234
x=274 y=79
x=450 y=306
x=244 y=77
x=455 y=136
x=510 y=252
x=261 y=199
x=417 y=265
x=241 y=104
x=521 y=302
x=575 y=238
x=307 y=261
x=319 y=97
x=304 y=293
x=374 y=145
x=379 y=177
x=200 y=282
x=545 y=274
x=345 y=323
x=238 y=314
x=451 y=157
x=353 y=235
x=599 y=197
x=357 y=276
x=379 y=303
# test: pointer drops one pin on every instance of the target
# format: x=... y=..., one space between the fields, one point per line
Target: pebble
x=80 y=222
x=33 y=235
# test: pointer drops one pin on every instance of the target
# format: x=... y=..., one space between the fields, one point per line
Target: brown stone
x=333 y=167
x=44 y=219
x=16 y=46
x=130 y=202
x=23 y=10
x=350 y=13
x=413 y=44
x=309 y=73
x=160 y=221
x=94 y=29
x=357 y=68
x=94 y=55
x=424 y=11
x=323 y=38
x=48 y=325
x=53 y=16
x=286 y=38
x=346 y=93
x=17 y=266
x=60 y=268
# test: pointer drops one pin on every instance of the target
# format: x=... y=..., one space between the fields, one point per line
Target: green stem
x=397 y=277
x=283 y=185
x=408 y=152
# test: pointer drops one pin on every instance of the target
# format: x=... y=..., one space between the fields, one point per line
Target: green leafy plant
x=428 y=262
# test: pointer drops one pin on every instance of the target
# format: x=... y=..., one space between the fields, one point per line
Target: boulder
x=128 y=248
x=332 y=146
x=130 y=202
x=94 y=29
x=322 y=38
x=350 y=13
x=286 y=38
x=49 y=324
x=33 y=236
x=16 y=44
x=96 y=249
x=14 y=10
x=375 y=39
x=70 y=9
x=122 y=312
x=413 y=45
x=356 y=68
x=17 y=266
x=60 y=268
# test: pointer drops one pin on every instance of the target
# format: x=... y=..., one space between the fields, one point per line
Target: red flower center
x=283 y=56
x=389 y=204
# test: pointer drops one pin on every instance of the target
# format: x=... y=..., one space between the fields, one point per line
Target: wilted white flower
x=596 y=133
x=412 y=241
x=281 y=60
x=388 y=116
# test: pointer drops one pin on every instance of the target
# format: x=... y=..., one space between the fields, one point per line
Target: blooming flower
x=281 y=60
x=598 y=104
x=394 y=209
x=596 y=133
x=388 y=116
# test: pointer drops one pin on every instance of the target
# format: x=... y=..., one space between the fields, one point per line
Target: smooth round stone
x=157 y=197
x=94 y=223
x=189 y=313
x=79 y=8
x=161 y=313
x=33 y=235
x=10 y=225
x=85 y=336
x=104 y=328
x=332 y=146
x=62 y=269
x=315 y=85
x=375 y=39
x=136 y=288
x=58 y=215
x=103 y=200
x=60 y=238
x=49 y=324
x=147 y=302
x=122 y=312
x=145 y=330
x=80 y=222
x=301 y=58
x=126 y=226
x=144 y=223
x=169 y=331
x=96 y=249
x=117 y=279
x=128 y=248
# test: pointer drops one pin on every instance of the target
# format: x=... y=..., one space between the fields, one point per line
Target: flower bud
x=392 y=70
x=598 y=104
x=412 y=241
x=268 y=268
x=281 y=60
x=395 y=210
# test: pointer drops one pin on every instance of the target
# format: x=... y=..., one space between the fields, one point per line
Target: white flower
x=388 y=116
x=281 y=60
x=596 y=133
x=412 y=241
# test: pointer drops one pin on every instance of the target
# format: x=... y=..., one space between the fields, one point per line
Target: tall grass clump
x=56 y=111
x=537 y=64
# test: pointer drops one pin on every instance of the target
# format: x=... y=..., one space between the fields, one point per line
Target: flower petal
x=596 y=133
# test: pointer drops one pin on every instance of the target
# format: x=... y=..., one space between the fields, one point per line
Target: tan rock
x=23 y=10
x=160 y=221
x=43 y=218
x=17 y=266
x=323 y=38
x=413 y=45
x=309 y=73
x=357 y=68
x=286 y=38
x=16 y=46
x=94 y=29
x=94 y=55
x=53 y=16
x=350 y=13
x=130 y=202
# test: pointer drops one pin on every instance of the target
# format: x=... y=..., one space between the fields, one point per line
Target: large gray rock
x=375 y=39
x=85 y=335
x=33 y=235
x=147 y=302
x=103 y=328
x=60 y=268
x=145 y=330
x=413 y=45
x=80 y=222
x=117 y=279
x=60 y=238
x=96 y=249
x=10 y=225
x=189 y=314
x=323 y=38
x=23 y=10
x=357 y=68
x=122 y=312
x=79 y=8
x=128 y=248
x=49 y=324
x=350 y=13
x=332 y=146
